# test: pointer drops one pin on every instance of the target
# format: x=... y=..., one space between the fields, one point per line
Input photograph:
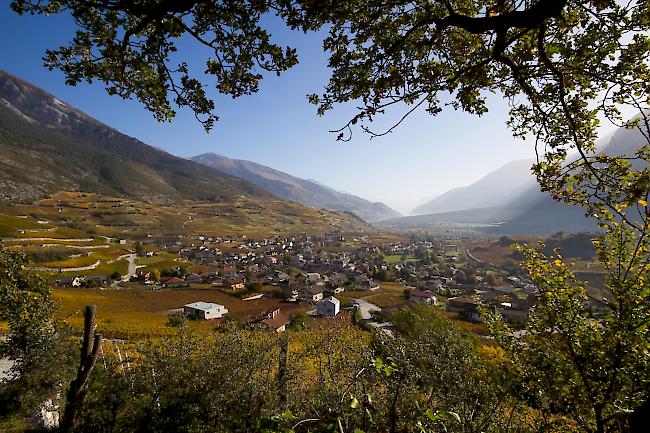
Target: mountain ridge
x=497 y=185
x=48 y=146
x=521 y=208
x=305 y=191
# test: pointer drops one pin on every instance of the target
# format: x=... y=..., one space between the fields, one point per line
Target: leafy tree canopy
x=130 y=46
x=565 y=66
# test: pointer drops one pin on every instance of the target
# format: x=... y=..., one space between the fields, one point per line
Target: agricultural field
x=384 y=300
x=394 y=288
x=135 y=313
x=87 y=214
x=72 y=230
x=160 y=261
x=388 y=294
x=494 y=254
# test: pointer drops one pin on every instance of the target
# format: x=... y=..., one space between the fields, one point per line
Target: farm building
x=194 y=278
x=311 y=294
x=467 y=308
x=329 y=306
x=365 y=283
x=204 y=310
x=234 y=284
x=275 y=321
x=424 y=296
x=172 y=282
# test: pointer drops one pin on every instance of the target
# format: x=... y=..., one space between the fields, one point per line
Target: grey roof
x=333 y=300
x=200 y=305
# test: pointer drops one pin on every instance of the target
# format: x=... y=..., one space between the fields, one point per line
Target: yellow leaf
x=558 y=262
x=643 y=203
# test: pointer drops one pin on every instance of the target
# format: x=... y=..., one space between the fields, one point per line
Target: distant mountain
x=496 y=187
x=307 y=192
x=48 y=146
x=460 y=219
x=537 y=212
x=508 y=201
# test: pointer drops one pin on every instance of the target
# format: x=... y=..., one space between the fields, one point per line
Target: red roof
x=174 y=280
x=421 y=293
x=462 y=300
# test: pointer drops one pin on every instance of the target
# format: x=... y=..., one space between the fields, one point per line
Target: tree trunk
x=600 y=426
x=282 y=370
x=90 y=347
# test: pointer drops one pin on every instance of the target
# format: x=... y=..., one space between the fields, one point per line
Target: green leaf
x=378 y=364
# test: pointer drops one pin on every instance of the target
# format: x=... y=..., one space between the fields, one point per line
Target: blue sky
x=424 y=157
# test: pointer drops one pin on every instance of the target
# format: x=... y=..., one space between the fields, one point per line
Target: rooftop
x=201 y=305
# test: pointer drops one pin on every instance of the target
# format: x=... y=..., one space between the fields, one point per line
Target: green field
x=160 y=261
x=391 y=260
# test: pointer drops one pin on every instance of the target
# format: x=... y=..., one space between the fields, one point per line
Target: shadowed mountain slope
x=48 y=146
x=498 y=186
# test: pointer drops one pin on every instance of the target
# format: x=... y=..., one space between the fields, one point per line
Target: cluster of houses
x=275 y=320
x=315 y=269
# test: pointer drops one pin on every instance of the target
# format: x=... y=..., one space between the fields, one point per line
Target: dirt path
x=49 y=239
x=77 y=269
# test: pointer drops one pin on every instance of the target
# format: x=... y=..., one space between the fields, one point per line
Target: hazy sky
x=424 y=157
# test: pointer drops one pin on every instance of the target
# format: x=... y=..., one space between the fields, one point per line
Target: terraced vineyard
x=80 y=232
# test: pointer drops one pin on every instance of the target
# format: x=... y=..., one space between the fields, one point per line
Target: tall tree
x=34 y=345
x=582 y=355
x=565 y=66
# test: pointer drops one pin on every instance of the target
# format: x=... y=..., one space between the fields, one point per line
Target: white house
x=204 y=310
x=329 y=306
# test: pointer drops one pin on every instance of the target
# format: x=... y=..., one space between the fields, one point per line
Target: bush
x=176 y=320
x=298 y=321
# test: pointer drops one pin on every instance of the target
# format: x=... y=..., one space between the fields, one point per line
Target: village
x=312 y=277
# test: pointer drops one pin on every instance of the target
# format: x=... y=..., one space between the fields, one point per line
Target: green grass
x=161 y=261
x=119 y=266
x=73 y=262
x=11 y=225
x=391 y=260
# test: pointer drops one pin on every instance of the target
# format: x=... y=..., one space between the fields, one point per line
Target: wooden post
x=90 y=348
x=282 y=370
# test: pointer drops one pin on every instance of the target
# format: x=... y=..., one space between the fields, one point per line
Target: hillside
x=304 y=191
x=48 y=146
x=92 y=215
